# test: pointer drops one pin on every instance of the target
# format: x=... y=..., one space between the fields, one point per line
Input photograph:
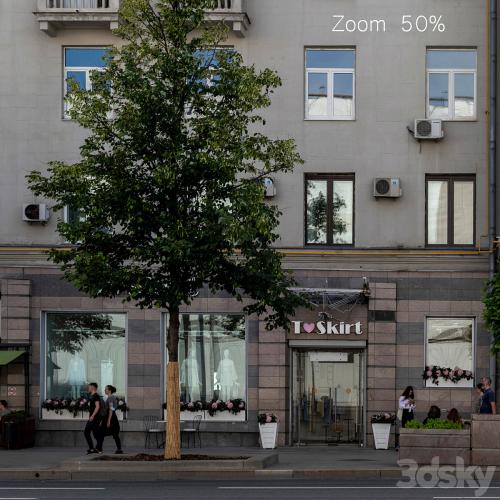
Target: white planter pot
x=268 y=435
x=188 y=416
x=66 y=415
x=381 y=434
x=226 y=416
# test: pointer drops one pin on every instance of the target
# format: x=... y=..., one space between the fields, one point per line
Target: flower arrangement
x=267 y=418
x=233 y=406
x=61 y=405
x=383 y=418
x=76 y=406
x=192 y=406
x=449 y=374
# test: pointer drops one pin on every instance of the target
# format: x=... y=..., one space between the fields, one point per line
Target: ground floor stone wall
x=396 y=311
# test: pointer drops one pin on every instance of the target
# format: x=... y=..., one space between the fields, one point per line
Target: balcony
x=233 y=13
x=53 y=15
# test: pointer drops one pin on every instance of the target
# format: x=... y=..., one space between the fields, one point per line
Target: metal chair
x=193 y=431
x=151 y=428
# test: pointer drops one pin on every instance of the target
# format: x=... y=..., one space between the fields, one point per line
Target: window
x=79 y=63
x=72 y=215
x=449 y=344
x=330 y=84
x=212 y=357
x=451 y=84
x=450 y=210
x=83 y=348
x=329 y=209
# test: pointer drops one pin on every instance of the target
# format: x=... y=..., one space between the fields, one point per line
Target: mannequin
x=190 y=378
x=227 y=376
x=106 y=372
x=77 y=374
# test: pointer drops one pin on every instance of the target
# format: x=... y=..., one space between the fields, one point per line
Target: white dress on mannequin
x=77 y=374
x=227 y=376
x=190 y=378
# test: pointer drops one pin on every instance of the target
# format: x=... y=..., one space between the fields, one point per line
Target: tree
x=491 y=312
x=169 y=184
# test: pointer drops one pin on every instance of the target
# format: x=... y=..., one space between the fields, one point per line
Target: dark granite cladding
x=440 y=288
x=143 y=330
x=50 y=285
x=382 y=316
x=410 y=333
x=253 y=331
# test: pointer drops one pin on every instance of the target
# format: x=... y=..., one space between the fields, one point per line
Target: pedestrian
x=433 y=413
x=110 y=425
x=4 y=408
x=488 y=404
x=407 y=405
x=92 y=426
x=454 y=416
x=479 y=400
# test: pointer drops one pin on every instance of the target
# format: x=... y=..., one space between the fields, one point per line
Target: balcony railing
x=55 y=14
x=233 y=13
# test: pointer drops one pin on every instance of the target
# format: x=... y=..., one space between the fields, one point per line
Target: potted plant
x=17 y=430
x=268 y=429
x=381 y=425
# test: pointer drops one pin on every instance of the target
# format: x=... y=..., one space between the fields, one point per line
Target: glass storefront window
x=83 y=348
x=212 y=357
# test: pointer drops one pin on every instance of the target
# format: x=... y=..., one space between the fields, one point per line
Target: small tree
x=491 y=312
x=169 y=184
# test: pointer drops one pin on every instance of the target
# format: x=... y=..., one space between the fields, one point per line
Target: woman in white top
x=407 y=404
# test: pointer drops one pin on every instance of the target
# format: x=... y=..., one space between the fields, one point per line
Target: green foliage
x=491 y=313
x=169 y=184
x=433 y=423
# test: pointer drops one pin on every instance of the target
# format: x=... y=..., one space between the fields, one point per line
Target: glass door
x=327 y=397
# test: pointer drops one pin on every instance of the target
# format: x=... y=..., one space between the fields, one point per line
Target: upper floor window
x=79 y=63
x=451 y=84
x=330 y=84
x=329 y=209
x=450 y=208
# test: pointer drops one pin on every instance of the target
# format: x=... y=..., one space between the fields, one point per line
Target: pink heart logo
x=309 y=327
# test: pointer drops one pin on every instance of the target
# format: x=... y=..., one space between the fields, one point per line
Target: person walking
x=479 y=400
x=110 y=425
x=407 y=405
x=92 y=426
x=488 y=404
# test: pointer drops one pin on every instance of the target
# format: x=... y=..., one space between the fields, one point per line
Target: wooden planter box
x=422 y=445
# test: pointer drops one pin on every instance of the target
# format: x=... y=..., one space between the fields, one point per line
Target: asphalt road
x=244 y=489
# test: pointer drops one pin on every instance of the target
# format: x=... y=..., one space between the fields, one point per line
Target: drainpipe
x=492 y=156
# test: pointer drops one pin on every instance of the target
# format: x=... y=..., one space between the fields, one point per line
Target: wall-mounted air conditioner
x=387 y=187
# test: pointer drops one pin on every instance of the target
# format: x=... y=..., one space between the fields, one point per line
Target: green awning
x=7 y=357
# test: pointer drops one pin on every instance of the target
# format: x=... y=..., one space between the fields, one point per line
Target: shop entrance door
x=328 y=397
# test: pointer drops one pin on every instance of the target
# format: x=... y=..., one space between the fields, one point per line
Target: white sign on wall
x=322 y=356
x=327 y=328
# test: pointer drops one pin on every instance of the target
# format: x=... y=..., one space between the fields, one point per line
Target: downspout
x=492 y=156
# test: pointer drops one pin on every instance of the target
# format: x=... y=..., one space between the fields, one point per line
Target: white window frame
x=331 y=72
x=81 y=69
x=451 y=87
x=448 y=384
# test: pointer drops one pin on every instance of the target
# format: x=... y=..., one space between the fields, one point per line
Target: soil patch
x=144 y=457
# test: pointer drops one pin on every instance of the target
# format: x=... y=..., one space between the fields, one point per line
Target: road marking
x=37 y=488
x=357 y=488
x=436 y=498
x=17 y=498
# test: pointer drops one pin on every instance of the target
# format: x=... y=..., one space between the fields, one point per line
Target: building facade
x=395 y=269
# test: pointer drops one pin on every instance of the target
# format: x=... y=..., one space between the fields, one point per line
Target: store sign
x=327 y=328
x=322 y=357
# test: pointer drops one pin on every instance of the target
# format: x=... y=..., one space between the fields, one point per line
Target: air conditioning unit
x=385 y=187
x=35 y=212
x=269 y=187
x=428 y=129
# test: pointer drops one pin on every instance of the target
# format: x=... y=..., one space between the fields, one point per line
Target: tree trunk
x=173 y=428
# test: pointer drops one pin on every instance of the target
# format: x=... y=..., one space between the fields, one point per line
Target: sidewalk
x=314 y=461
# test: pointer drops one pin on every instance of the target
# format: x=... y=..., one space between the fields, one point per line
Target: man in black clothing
x=94 y=420
x=488 y=404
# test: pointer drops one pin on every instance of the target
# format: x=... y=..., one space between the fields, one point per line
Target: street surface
x=241 y=490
